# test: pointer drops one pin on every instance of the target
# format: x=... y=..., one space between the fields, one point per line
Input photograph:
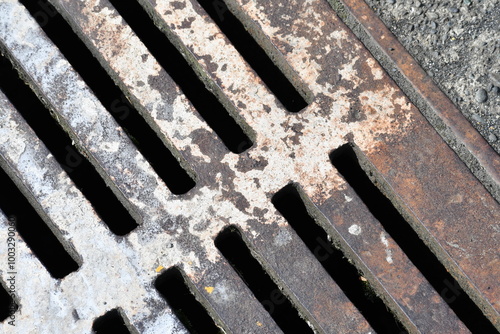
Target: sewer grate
x=331 y=205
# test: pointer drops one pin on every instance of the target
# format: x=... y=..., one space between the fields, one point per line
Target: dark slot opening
x=7 y=305
x=209 y=107
x=34 y=231
x=253 y=53
x=147 y=142
x=110 y=323
x=346 y=162
x=191 y=313
x=288 y=202
x=231 y=245
x=79 y=169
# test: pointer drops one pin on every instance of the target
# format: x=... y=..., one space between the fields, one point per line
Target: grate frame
x=393 y=141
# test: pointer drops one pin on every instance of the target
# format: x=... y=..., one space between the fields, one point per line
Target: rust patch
x=354 y=101
x=178 y=4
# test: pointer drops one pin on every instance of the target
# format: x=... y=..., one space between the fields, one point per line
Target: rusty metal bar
x=390 y=273
x=286 y=258
x=420 y=171
x=428 y=90
x=232 y=301
x=353 y=101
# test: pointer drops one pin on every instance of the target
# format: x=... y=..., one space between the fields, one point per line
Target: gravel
x=481 y=95
x=458 y=43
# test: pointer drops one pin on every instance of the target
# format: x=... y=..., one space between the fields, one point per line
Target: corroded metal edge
x=319 y=179
x=416 y=148
x=422 y=84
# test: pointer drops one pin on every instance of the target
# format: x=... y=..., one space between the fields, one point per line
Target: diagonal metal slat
x=81 y=114
x=424 y=85
x=303 y=279
x=84 y=235
x=392 y=274
x=419 y=169
x=354 y=101
x=232 y=301
x=147 y=85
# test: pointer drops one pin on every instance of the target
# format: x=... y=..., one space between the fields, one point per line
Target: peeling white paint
x=388 y=252
x=377 y=72
x=110 y=147
x=156 y=242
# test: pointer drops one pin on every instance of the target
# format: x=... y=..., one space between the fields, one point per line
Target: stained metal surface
x=422 y=83
x=353 y=100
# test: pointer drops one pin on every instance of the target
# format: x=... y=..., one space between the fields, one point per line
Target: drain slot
x=7 y=304
x=78 y=168
x=147 y=142
x=110 y=323
x=346 y=162
x=34 y=231
x=288 y=202
x=255 y=56
x=233 y=248
x=172 y=286
x=209 y=107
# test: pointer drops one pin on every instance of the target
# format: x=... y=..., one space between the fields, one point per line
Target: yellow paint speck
x=259 y=323
x=160 y=268
x=209 y=289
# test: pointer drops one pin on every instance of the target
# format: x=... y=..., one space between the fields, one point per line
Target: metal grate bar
x=285 y=258
x=89 y=124
x=353 y=101
x=424 y=85
x=424 y=177
x=222 y=289
x=207 y=48
x=395 y=278
x=82 y=232
x=148 y=86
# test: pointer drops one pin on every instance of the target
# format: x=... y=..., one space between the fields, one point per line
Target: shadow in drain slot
x=140 y=133
x=110 y=323
x=346 y=162
x=172 y=286
x=209 y=107
x=34 y=231
x=78 y=168
x=288 y=202
x=7 y=304
x=256 y=57
x=234 y=249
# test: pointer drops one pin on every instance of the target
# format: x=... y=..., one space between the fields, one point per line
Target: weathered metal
x=424 y=85
x=353 y=100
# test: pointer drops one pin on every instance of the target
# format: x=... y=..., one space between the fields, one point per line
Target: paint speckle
x=110 y=147
x=355 y=229
x=456 y=199
x=347 y=198
x=282 y=238
x=209 y=289
x=388 y=252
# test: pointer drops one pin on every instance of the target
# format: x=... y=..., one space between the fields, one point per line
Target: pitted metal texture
x=351 y=100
